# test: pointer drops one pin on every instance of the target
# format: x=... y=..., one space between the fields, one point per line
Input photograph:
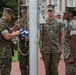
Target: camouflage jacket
x=71 y=26
x=23 y=24
x=51 y=35
x=5 y=45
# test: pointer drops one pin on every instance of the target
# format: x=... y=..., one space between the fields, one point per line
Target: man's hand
x=61 y=53
x=61 y=50
x=15 y=28
x=16 y=33
x=26 y=38
x=9 y=36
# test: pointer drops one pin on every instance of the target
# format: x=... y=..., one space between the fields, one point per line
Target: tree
x=13 y=4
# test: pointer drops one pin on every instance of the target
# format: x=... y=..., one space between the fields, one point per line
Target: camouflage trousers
x=70 y=67
x=24 y=61
x=51 y=62
x=5 y=66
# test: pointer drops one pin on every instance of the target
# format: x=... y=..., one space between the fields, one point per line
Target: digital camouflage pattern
x=73 y=27
x=67 y=42
x=23 y=23
x=51 y=35
x=5 y=51
x=70 y=67
x=51 y=43
x=51 y=61
x=23 y=60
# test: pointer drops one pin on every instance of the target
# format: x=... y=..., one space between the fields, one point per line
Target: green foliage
x=13 y=4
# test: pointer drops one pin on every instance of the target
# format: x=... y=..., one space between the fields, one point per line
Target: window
x=71 y=3
x=43 y=5
x=55 y=2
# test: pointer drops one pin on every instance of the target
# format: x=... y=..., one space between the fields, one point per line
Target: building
x=60 y=5
x=24 y=1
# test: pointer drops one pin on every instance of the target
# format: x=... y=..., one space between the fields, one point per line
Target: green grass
x=15 y=57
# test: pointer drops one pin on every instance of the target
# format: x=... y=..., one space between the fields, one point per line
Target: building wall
x=62 y=4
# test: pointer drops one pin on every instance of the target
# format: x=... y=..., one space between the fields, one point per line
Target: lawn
x=15 y=57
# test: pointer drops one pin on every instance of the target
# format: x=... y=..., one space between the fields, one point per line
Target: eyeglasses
x=50 y=10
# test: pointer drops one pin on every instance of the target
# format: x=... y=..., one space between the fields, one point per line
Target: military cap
x=24 y=7
x=50 y=7
x=9 y=11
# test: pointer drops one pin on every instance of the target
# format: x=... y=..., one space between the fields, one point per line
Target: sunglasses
x=50 y=10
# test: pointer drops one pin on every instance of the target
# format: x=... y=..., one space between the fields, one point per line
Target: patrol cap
x=9 y=11
x=50 y=7
x=24 y=7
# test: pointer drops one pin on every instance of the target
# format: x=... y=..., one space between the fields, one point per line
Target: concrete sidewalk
x=41 y=70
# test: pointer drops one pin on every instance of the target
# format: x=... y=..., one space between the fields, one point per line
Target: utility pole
x=33 y=37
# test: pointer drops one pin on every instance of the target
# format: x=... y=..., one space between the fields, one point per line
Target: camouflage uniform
x=5 y=51
x=23 y=60
x=51 y=43
x=70 y=67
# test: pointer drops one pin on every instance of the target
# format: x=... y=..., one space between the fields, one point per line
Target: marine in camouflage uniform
x=51 y=42
x=71 y=25
x=24 y=45
x=5 y=51
x=5 y=43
